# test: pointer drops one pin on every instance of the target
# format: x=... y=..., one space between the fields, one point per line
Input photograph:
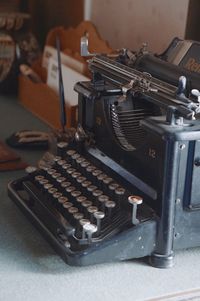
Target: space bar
x=49 y=213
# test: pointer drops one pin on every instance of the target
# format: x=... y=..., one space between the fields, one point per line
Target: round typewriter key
x=85 y=184
x=112 y=187
x=45 y=167
x=120 y=191
x=81 y=179
x=83 y=222
x=96 y=193
x=96 y=172
x=38 y=178
x=80 y=160
x=80 y=199
x=61 y=179
x=73 y=210
x=47 y=186
x=119 y=194
x=135 y=200
x=69 y=189
x=62 y=144
x=107 y=180
x=99 y=215
x=75 y=193
x=103 y=199
x=61 y=147
x=56 y=175
x=50 y=171
x=109 y=206
x=78 y=216
x=101 y=176
x=105 y=183
x=52 y=190
x=75 y=156
x=71 y=170
x=84 y=164
x=57 y=158
x=71 y=152
x=91 y=210
x=90 y=229
x=62 y=200
x=90 y=168
x=75 y=175
x=57 y=195
x=61 y=162
x=67 y=205
x=66 y=166
x=30 y=169
x=91 y=188
x=86 y=204
x=43 y=182
x=65 y=184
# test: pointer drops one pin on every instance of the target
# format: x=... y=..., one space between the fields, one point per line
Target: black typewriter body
x=138 y=139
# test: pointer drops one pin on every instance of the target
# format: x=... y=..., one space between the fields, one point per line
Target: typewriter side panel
x=187 y=218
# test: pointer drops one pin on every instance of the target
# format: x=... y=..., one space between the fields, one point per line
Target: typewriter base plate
x=135 y=242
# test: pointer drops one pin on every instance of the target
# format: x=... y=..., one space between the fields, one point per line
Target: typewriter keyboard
x=78 y=201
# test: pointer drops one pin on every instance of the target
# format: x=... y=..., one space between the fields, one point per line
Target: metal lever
x=84 y=47
x=182 y=82
x=196 y=93
x=135 y=200
x=125 y=89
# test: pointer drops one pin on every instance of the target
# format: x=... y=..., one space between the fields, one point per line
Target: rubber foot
x=162 y=261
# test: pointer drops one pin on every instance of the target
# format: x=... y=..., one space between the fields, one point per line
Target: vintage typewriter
x=126 y=185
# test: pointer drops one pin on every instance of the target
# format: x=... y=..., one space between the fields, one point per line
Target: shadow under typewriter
x=86 y=215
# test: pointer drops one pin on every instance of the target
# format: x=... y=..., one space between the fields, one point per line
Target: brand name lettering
x=192 y=65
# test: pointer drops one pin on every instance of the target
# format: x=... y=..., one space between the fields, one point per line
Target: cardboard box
x=39 y=98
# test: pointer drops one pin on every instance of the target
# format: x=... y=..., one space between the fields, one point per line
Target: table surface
x=31 y=270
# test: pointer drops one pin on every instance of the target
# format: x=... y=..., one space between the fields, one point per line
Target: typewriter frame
x=172 y=147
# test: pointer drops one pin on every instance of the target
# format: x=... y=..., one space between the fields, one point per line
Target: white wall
x=129 y=23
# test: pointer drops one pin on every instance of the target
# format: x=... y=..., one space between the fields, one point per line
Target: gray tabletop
x=31 y=270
